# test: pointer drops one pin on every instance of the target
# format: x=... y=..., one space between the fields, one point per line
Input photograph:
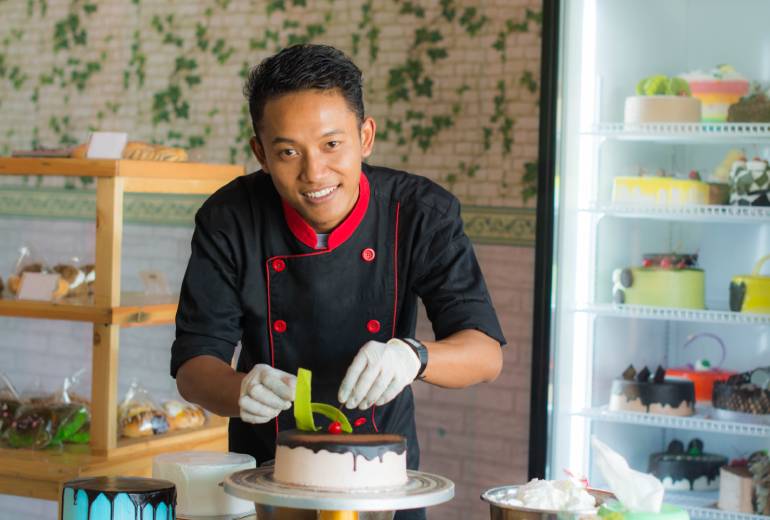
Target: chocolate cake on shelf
x=689 y=470
x=639 y=392
x=744 y=396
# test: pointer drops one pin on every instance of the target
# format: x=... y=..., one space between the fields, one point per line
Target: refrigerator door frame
x=539 y=426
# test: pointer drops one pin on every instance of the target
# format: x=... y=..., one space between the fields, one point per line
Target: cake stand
x=421 y=490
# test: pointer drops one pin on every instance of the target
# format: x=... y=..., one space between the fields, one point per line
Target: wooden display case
x=40 y=474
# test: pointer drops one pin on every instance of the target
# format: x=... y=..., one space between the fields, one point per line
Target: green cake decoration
x=660 y=85
x=304 y=408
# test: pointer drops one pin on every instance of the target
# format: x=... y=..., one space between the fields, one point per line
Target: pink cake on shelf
x=717 y=89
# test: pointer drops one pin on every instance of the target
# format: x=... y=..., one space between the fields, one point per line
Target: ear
x=259 y=152
x=368 y=131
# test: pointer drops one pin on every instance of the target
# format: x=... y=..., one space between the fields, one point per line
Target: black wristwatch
x=421 y=351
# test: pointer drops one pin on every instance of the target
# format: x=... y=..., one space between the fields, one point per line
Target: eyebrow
x=279 y=139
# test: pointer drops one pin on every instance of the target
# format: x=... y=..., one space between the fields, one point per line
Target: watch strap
x=421 y=351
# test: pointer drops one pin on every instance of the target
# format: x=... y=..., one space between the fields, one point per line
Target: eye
x=333 y=144
x=287 y=152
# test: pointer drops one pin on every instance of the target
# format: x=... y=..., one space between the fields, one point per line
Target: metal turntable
x=273 y=498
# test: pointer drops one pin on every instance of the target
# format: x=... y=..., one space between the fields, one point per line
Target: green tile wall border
x=484 y=224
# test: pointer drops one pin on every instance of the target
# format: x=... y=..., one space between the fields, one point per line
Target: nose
x=314 y=168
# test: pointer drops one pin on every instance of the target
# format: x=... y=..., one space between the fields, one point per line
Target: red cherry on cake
x=694 y=175
x=681 y=265
x=665 y=263
x=335 y=428
x=360 y=421
x=646 y=262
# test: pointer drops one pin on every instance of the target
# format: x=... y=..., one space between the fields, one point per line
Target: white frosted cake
x=197 y=475
x=662 y=109
x=339 y=461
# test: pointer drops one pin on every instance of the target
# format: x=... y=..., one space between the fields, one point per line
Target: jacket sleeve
x=208 y=319
x=448 y=278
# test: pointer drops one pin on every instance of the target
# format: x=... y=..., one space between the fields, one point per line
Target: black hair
x=303 y=67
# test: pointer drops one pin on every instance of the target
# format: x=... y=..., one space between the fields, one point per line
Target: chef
x=317 y=261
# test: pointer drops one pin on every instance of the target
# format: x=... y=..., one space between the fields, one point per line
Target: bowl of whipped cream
x=544 y=500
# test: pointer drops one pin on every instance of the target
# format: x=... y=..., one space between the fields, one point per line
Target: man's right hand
x=266 y=392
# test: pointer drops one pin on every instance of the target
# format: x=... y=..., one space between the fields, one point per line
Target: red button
x=279 y=265
x=373 y=326
x=279 y=326
x=368 y=254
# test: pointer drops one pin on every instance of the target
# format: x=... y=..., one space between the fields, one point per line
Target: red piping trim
x=374 y=423
x=395 y=271
x=307 y=235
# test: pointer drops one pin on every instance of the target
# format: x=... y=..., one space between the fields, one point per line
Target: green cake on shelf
x=663 y=280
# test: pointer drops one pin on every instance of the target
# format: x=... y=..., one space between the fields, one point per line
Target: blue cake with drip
x=118 y=498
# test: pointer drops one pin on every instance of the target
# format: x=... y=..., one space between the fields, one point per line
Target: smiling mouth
x=320 y=194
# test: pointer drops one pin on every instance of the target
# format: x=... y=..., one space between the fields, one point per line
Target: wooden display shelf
x=137 y=176
x=41 y=473
x=135 y=310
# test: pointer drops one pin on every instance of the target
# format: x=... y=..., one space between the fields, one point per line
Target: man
x=317 y=262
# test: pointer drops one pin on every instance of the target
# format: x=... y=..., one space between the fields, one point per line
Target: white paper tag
x=38 y=286
x=154 y=283
x=106 y=145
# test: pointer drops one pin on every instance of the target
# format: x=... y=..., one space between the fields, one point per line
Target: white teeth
x=320 y=193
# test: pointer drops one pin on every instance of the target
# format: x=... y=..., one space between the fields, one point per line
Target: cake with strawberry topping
x=340 y=461
x=663 y=280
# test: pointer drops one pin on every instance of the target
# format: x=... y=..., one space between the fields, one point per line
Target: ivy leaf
x=436 y=53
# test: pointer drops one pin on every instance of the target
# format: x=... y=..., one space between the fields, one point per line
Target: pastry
x=751 y=293
x=183 y=415
x=143 y=421
x=701 y=373
x=8 y=407
x=661 y=99
x=118 y=498
x=753 y=108
x=745 y=395
x=750 y=182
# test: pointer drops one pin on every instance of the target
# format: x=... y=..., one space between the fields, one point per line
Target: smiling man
x=317 y=261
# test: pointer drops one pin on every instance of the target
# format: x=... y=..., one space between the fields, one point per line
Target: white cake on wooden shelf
x=197 y=475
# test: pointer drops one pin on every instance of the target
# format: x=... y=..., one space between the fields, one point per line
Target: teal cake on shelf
x=614 y=510
x=118 y=498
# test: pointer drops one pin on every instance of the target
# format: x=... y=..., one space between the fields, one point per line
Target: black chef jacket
x=255 y=276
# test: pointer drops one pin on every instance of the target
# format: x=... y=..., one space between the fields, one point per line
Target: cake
x=745 y=485
x=703 y=377
x=196 y=475
x=750 y=182
x=340 y=461
x=659 y=191
x=663 y=280
x=691 y=469
x=118 y=498
x=754 y=108
x=744 y=396
x=717 y=89
x=751 y=293
x=639 y=393
x=661 y=99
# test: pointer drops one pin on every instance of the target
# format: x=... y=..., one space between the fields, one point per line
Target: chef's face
x=312 y=146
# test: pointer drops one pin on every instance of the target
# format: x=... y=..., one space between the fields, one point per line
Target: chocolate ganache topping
x=369 y=446
x=141 y=492
x=678 y=464
x=653 y=390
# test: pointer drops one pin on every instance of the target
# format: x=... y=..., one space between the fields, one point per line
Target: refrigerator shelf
x=685 y=133
x=703 y=505
x=701 y=421
x=716 y=317
x=695 y=213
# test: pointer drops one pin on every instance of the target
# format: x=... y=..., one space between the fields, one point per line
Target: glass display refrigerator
x=641 y=257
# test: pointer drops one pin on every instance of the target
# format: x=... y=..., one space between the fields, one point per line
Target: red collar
x=342 y=232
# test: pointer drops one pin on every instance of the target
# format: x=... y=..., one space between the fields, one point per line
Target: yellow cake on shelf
x=668 y=280
x=659 y=191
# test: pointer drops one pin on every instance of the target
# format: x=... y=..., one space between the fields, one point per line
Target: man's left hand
x=378 y=373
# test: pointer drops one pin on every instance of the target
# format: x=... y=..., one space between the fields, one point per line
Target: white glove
x=266 y=392
x=378 y=373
